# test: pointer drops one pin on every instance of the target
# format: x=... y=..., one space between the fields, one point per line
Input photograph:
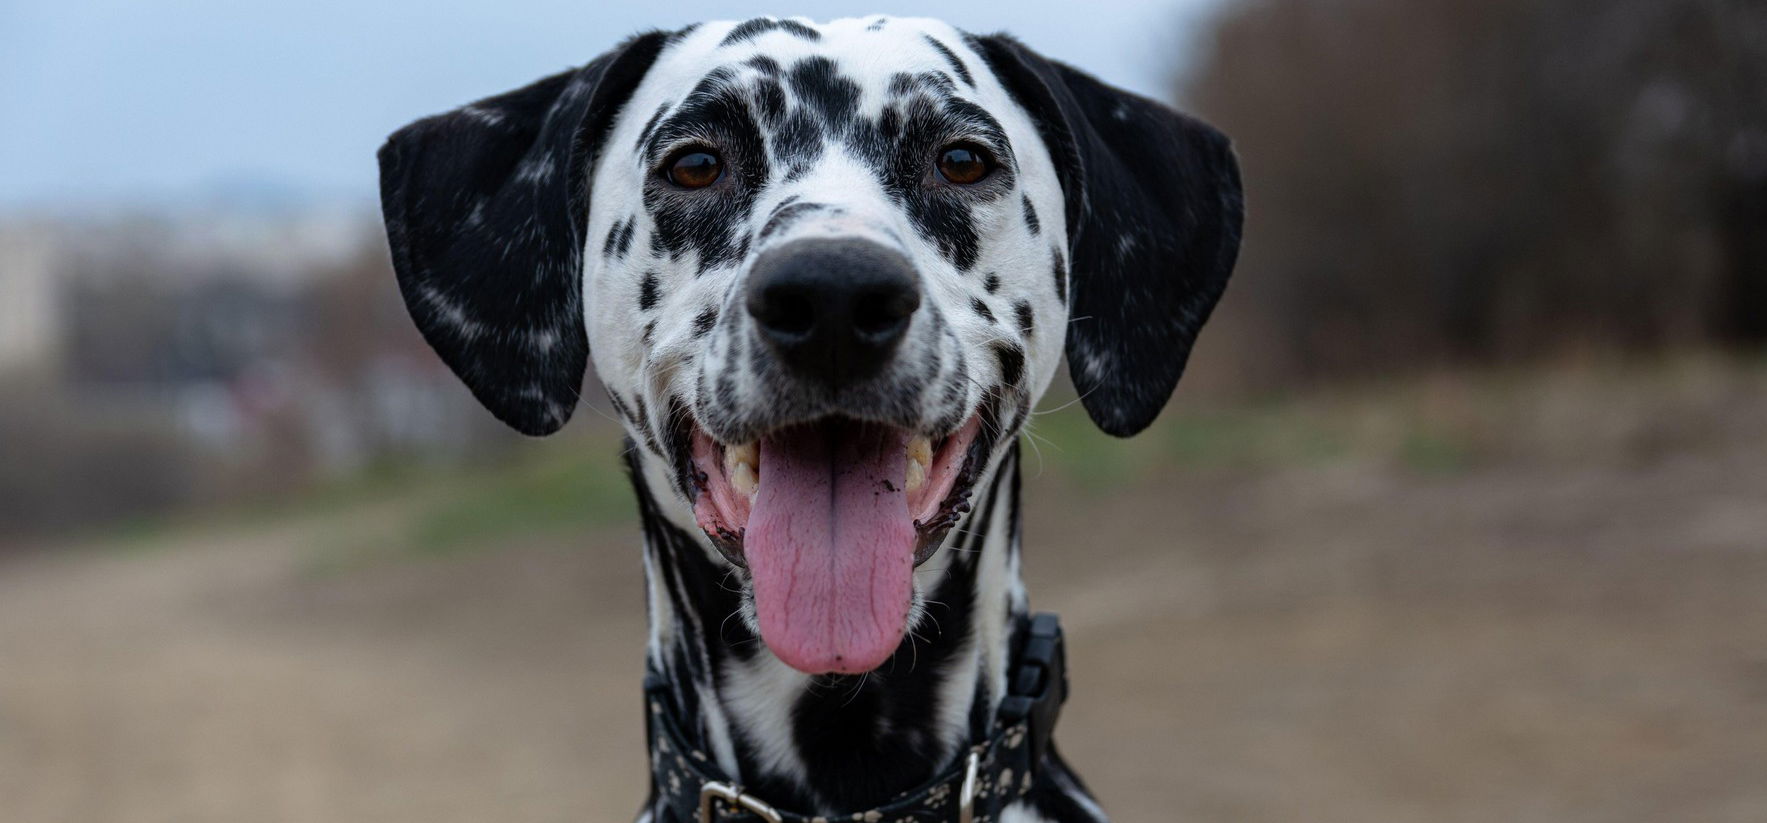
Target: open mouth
x=830 y=518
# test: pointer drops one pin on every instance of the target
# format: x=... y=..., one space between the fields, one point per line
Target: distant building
x=30 y=316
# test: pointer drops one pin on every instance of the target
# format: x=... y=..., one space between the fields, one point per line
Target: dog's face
x=823 y=249
x=824 y=272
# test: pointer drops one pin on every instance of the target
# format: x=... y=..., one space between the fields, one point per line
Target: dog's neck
x=838 y=742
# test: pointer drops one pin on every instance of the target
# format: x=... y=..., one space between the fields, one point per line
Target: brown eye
x=964 y=165
x=696 y=170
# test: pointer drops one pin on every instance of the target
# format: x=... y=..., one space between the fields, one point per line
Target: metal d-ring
x=966 y=796
x=715 y=790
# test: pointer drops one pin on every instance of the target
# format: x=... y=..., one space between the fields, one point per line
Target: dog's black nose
x=833 y=310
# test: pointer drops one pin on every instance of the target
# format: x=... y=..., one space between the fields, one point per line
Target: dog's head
x=824 y=271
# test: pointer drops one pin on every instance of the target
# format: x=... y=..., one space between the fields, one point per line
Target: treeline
x=1436 y=182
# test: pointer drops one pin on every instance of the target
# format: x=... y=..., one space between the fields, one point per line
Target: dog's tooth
x=916 y=475
x=742 y=479
x=920 y=450
x=745 y=454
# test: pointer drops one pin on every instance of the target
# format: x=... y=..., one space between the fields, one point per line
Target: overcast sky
x=106 y=102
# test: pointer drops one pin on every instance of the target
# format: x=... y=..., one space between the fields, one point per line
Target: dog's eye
x=696 y=169
x=964 y=164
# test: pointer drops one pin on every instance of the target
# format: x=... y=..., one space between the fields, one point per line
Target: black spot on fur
x=797 y=143
x=624 y=244
x=764 y=64
x=704 y=322
x=1027 y=319
x=982 y=309
x=992 y=283
x=948 y=221
x=787 y=214
x=748 y=29
x=647 y=292
x=1061 y=276
x=751 y=29
x=821 y=88
x=620 y=406
x=888 y=128
x=903 y=84
x=1012 y=362
x=878 y=24
x=644 y=426
x=796 y=29
x=1031 y=221
x=619 y=237
x=951 y=57
x=770 y=99
x=649 y=332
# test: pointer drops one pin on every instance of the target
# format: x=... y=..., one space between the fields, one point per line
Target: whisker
x=858 y=687
x=721 y=626
x=929 y=615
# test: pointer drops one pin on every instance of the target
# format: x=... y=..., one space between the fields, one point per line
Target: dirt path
x=1343 y=643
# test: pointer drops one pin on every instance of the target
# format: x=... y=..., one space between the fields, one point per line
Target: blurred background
x=1460 y=515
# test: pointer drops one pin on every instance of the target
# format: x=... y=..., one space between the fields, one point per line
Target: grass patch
x=542 y=495
x=1432 y=453
x=566 y=485
x=1063 y=443
x=1419 y=426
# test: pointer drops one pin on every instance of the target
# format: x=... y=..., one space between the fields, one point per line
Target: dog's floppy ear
x=1153 y=215
x=486 y=209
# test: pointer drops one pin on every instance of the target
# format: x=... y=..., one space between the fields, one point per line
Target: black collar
x=992 y=774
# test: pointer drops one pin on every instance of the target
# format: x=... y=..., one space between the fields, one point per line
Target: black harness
x=992 y=775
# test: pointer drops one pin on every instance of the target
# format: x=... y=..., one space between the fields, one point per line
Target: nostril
x=785 y=311
x=883 y=314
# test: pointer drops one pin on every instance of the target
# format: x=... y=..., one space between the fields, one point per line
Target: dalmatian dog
x=824 y=272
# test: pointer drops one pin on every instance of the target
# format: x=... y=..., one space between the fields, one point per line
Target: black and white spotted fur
x=532 y=230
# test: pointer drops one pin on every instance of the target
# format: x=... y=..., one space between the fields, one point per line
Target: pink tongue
x=830 y=546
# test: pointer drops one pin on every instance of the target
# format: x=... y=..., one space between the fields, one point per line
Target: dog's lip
x=701 y=458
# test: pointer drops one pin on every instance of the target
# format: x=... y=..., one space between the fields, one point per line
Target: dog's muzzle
x=833 y=311
x=846 y=465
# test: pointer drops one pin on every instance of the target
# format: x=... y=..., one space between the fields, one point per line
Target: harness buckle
x=1038 y=684
x=715 y=790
